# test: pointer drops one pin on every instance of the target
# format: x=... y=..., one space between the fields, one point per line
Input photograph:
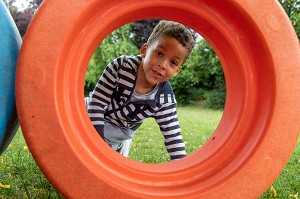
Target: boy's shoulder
x=166 y=94
x=166 y=88
x=126 y=61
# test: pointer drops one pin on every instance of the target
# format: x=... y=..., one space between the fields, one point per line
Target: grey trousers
x=120 y=139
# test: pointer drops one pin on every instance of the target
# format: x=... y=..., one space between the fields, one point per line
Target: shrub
x=215 y=99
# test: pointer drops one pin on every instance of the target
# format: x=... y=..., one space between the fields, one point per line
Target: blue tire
x=10 y=41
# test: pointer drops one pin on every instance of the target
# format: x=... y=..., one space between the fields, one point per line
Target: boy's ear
x=143 y=49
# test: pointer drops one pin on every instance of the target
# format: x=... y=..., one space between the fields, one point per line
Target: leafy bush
x=201 y=79
x=215 y=99
x=184 y=88
x=118 y=43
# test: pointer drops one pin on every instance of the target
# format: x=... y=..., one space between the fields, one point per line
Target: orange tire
x=260 y=56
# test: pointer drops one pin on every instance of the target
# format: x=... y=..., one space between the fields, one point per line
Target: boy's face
x=162 y=59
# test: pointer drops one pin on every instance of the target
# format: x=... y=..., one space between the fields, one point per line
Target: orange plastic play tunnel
x=260 y=56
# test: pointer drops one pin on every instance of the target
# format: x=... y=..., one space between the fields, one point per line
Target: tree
x=118 y=43
x=9 y=4
x=35 y=4
x=141 y=30
x=292 y=9
x=201 y=78
x=22 y=18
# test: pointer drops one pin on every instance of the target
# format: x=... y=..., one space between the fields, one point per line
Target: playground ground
x=20 y=177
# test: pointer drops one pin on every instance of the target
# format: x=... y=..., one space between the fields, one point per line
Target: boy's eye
x=158 y=53
x=174 y=63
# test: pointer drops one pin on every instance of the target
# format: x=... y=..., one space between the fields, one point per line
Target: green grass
x=196 y=124
x=20 y=175
x=21 y=178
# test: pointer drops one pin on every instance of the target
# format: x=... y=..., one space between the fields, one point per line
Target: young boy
x=133 y=88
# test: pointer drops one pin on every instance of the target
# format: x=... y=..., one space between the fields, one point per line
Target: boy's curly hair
x=173 y=29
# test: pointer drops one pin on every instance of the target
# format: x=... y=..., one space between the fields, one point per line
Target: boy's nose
x=163 y=64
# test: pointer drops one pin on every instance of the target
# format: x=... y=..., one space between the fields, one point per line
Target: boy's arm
x=101 y=95
x=168 y=123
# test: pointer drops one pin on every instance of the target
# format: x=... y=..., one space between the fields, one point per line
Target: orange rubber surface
x=260 y=55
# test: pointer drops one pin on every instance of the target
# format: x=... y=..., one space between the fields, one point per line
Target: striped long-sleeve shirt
x=110 y=101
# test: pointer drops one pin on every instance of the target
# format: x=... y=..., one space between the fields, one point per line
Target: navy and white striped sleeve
x=101 y=95
x=168 y=122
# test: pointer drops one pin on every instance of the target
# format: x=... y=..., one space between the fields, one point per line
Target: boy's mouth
x=156 y=73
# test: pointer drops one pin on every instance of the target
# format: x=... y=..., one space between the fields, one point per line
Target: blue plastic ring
x=10 y=41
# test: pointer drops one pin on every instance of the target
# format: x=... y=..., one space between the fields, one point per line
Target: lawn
x=21 y=178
